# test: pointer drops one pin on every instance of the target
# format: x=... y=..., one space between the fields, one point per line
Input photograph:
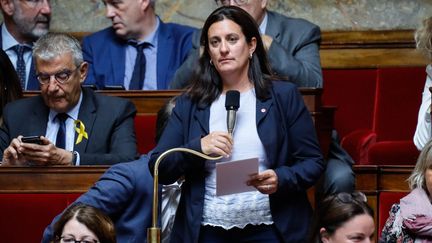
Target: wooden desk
x=149 y=102
x=55 y=179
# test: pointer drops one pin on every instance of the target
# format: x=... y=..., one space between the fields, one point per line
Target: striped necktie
x=20 y=64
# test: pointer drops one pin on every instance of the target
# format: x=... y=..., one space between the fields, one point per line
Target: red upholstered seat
x=376 y=112
x=25 y=216
x=397 y=102
x=145 y=129
x=395 y=152
x=352 y=91
x=385 y=201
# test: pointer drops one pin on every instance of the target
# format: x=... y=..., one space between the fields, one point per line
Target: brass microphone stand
x=153 y=233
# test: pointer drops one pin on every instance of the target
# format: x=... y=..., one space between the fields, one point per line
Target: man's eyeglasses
x=228 y=2
x=70 y=239
x=345 y=197
x=61 y=77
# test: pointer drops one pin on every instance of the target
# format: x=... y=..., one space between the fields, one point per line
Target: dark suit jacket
x=106 y=54
x=287 y=132
x=124 y=193
x=33 y=83
x=109 y=122
x=294 y=52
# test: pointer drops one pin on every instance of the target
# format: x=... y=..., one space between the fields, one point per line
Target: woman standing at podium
x=273 y=124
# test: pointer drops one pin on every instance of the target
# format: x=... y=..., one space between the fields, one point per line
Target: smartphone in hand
x=32 y=139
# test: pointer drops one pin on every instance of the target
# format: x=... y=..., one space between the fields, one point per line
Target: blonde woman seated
x=411 y=219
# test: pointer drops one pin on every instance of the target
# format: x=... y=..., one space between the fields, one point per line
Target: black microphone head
x=232 y=101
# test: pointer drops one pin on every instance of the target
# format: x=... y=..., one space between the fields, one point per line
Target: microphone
x=153 y=233
x=232 y=103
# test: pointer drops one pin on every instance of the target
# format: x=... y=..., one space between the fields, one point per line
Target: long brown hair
x=206 y=83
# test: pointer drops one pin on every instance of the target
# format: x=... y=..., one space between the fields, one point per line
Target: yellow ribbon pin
x=80 y=129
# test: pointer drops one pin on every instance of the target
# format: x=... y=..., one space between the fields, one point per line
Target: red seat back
x=398 y=99
x=352 y=91
x=145 y=129
x=25 y=216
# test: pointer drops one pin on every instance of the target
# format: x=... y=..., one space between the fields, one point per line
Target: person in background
x=343 y=217
x=139 y=51
x=10 y=88
x=273 y=125
x=125 y=193
x=292 y=46
x=74 y=126
x=85 y=224
x=24 y=22
x=423 y=37
x=410 y=220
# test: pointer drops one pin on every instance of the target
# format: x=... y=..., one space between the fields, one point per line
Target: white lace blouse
x=236 y=210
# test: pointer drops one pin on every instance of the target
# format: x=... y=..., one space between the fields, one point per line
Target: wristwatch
x=74 y=157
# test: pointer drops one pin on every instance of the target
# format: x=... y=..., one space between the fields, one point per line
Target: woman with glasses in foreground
x=411 y=219
x=85 y=224
x=343 y=217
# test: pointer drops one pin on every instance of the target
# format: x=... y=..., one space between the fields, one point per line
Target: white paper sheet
x=231 y=177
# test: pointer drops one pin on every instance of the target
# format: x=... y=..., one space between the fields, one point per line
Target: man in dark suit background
x=116 y=54
x=24 y=22
x=77 y=126
x=292 y=45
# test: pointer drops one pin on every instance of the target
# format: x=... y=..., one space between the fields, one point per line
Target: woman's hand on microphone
x=217 y=143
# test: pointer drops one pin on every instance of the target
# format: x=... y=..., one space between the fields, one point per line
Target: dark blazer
x=287 y=132
x=106 y=53
x=33 y=83
x=294 y=52
x=109 y=122
x=125 y=194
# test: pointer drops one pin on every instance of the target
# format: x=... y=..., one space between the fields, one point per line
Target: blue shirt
x=8 y=42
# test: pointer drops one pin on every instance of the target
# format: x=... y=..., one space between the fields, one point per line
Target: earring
x=250 y=55
x=211 y=62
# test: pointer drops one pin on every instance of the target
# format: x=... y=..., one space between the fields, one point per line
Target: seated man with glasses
x=69 y=125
